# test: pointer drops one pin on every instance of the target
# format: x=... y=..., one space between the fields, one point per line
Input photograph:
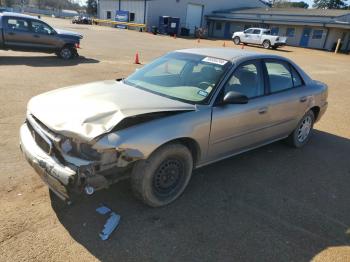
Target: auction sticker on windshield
x=216 y=61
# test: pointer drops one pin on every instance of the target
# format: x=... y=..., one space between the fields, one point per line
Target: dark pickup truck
x=21 y=32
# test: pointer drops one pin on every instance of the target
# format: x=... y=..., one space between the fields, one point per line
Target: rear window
x=282 y=76
x=17 y=24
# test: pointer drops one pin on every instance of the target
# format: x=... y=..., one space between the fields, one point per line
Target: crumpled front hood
x=68 y=33
x=89 y=110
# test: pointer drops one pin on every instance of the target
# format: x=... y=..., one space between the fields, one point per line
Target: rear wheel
x=163 y=177
x=236 y=40
x=302 y=134
x=266 y=44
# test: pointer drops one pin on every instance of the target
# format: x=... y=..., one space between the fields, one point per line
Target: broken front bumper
x=57 y=176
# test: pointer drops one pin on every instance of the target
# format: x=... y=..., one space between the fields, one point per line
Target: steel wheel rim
x=236 y=40
x=266 y=44
x=168 y=177
x=66 y=53
x=304 y=129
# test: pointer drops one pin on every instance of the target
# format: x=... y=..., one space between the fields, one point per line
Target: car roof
x=229 y=54
x=13 y=14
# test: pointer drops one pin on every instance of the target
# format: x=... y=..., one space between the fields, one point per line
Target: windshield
x=182 y=76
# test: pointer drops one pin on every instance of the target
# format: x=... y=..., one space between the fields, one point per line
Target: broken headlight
x=89 y=152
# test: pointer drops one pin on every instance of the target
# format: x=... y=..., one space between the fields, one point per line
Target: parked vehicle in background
x=185 y=110
x=21 y=32
x=259 y=36
x=82 y=20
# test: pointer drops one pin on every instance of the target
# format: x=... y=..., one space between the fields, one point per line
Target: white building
x=312 y=28
x=192 y=13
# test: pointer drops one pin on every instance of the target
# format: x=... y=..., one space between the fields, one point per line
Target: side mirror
x=235 y=98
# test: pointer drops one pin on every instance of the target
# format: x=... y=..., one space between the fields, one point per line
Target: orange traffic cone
x=137 y=60
x=224 y=44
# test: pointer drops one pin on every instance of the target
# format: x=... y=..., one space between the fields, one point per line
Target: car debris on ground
x=111 y=224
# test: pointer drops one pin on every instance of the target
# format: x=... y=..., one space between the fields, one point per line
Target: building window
x=317 y=34
x=274 y=30
x=218 y=25
x=131 y=17
x=247 y=27
x=290 y=32
x=109 y=14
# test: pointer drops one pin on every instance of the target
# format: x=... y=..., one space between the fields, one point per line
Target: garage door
x=194 y=16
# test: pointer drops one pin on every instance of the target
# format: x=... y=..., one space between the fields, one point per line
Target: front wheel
x=266 y=44
x=302 y=134
x=163 y=177
x=67 y=53
x=236 y=40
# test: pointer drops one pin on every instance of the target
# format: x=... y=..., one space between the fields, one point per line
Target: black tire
x=266 y=44
x=274 y=47
x=163 y=177
x=236 y=40
x=297 y=138
x=67 y=52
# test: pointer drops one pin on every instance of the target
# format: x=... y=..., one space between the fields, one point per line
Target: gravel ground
x=272 y=204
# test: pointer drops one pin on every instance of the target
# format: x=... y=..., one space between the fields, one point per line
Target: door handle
x=303 y=99
x=37 y=36
x=262 y=110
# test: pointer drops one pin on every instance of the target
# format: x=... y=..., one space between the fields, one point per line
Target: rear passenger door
x=288 y=99
x=17 y=34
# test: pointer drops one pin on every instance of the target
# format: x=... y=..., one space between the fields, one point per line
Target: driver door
x=256 y=36
x=238 y=127
x=247 y=35
x=43 y=36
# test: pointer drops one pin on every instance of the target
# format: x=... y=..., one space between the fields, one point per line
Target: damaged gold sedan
x=185 y=110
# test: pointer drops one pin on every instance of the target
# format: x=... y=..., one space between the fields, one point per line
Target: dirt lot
x=271 y=204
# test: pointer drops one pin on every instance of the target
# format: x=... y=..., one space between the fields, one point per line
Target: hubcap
x=304 y=129
x=266 y=45
x=168 y=176
x=66 y=53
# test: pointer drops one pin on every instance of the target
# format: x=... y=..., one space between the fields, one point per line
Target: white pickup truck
x=259 y=36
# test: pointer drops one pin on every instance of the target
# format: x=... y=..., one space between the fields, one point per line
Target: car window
x=248 y=31
x=17 y=24
x=181 y=76
x=41 y=28
x=280 y=77
x=247 y=80
x=256 y=32
x=267 y=32
x=297 y=81
x=171 y=67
